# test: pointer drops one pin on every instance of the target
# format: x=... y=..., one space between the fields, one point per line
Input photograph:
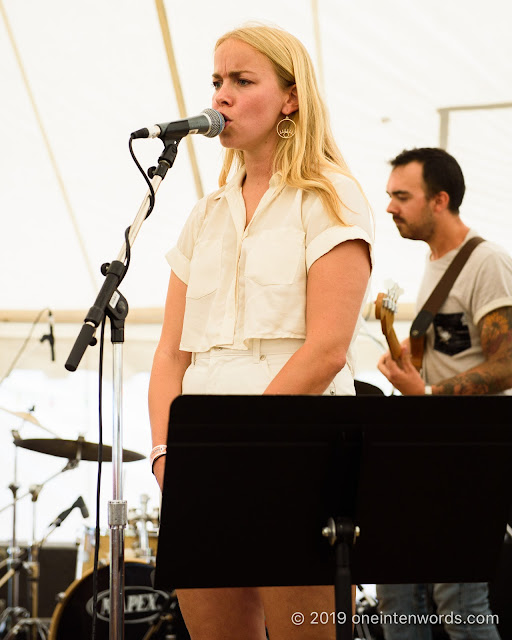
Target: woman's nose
x=223 y=96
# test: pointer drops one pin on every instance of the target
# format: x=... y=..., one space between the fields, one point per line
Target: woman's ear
x=292 y=102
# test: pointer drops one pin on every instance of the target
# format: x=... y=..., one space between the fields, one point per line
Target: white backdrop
x=97 y=71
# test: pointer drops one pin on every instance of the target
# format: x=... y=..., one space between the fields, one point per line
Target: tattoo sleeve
x=495 y=373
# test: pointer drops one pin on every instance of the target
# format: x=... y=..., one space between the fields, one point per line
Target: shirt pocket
x=272 y=257
x=205 y=268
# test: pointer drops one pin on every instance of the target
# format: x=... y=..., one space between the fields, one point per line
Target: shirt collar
x=234 y=183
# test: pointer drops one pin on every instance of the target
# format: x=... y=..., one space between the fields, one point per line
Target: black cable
x=151 y=207
x=128 y=251
x=152 y=191
x=98 y=487
x=24 y=345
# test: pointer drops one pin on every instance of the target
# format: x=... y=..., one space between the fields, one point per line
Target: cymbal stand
x=13 y=611
x=13 y=551
x=71 y=464
x=14 y=562
x=32 y=567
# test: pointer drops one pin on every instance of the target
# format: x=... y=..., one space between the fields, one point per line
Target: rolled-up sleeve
x=180 y=255
x=180 y=264
x=330 y=238
x=323 y=233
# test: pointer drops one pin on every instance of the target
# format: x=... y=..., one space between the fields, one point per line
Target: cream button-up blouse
x=246 y=283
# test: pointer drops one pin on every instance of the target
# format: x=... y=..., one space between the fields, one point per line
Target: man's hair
x=441 y=172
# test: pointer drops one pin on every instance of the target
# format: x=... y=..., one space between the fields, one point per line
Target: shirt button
x=262 y=357
x=332 y=392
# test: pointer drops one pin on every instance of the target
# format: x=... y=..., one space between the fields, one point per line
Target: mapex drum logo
x=141 y=604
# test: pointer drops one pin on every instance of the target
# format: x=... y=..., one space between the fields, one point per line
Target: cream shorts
x=223 y=371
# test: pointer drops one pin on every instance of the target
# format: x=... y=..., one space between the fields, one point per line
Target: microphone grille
x=217 y=122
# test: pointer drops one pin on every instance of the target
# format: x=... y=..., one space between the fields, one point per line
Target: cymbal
x=28 y=417
x=69 y=448
x=24 y=415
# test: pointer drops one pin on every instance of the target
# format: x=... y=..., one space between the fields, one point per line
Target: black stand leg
x=342 y=535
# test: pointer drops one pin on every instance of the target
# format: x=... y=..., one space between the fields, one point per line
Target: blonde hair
x=303 y=159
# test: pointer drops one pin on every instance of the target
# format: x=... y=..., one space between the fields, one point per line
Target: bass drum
x=144 y=608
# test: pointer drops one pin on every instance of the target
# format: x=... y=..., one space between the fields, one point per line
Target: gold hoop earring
x=284 y=128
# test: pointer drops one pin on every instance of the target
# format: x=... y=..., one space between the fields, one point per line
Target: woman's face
x=249 y=96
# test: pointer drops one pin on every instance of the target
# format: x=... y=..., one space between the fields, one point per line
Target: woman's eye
x=216 y=84
x=243 y=82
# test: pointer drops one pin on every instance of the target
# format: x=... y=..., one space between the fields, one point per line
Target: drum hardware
x=75 y=451
x=366 y=609
x=139 y=519
x=37 y=627
x=10 y=617
x=24 y=620
x=148 y=613
x=14 y=551
x=132 y=551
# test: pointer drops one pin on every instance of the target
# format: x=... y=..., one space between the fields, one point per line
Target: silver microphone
x=209 y=123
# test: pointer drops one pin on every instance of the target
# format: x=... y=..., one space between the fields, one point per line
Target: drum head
x=143 y=608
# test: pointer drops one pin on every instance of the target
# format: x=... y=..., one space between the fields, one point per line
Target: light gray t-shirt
x=483 y=285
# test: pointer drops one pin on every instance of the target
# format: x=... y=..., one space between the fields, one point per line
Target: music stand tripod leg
x=342 y=534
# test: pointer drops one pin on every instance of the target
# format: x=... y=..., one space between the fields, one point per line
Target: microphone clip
x=50 y=337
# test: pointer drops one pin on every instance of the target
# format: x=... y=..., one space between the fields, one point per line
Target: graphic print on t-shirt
x=451 y=333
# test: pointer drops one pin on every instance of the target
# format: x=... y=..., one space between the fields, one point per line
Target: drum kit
x=148 y=613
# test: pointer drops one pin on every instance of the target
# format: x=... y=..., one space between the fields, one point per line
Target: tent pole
x=166 y=35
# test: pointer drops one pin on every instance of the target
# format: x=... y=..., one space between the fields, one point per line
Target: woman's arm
x=169 y=366
x=335 y=290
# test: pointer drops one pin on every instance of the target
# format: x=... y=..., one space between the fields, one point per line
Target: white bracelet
x=157 y=452
x=428 y=389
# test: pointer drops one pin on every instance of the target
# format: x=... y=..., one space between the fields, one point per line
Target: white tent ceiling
x=78 y=78
x=93 y=72
x=98 y=70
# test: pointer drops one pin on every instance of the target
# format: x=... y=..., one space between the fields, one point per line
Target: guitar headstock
x=385 y=309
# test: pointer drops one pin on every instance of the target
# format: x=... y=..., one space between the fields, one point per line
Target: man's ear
x=292 y=103
x=441 y=201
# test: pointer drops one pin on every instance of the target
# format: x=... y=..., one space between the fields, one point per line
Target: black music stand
x=252 y=482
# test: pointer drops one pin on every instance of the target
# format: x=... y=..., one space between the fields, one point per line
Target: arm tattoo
x=495 y=373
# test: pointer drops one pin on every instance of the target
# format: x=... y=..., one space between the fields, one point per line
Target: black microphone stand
x=112 y=303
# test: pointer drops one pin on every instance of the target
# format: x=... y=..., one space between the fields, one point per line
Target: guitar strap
x=426 y=315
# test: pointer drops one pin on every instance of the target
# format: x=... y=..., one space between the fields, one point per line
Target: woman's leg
x=299 y=613
x=223 y=614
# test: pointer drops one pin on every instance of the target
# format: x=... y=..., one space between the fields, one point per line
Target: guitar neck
x=417 y=348
x=384 y=311
x=394 y=345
